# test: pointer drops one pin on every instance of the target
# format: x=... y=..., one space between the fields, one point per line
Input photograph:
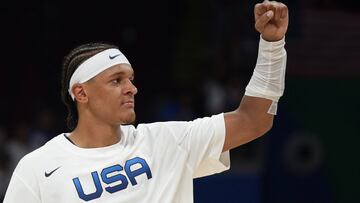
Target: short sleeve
x=203 y=139
x=22 y=185
x=204 y=142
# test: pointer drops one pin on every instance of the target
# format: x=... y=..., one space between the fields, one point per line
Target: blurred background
x=194 y=59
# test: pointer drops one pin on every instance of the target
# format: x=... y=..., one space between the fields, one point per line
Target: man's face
x=111 y=95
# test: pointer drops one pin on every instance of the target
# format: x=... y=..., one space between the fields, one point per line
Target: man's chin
x=129 y=119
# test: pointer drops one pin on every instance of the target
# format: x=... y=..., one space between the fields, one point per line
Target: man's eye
x=115 y=81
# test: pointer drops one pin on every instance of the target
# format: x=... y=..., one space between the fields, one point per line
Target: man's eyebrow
x=120 y=73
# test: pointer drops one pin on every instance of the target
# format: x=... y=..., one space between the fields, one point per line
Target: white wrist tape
x=95 y=65
x=268 y=79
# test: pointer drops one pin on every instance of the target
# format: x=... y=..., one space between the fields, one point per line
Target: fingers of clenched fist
x=278 y=8
x=271 y=17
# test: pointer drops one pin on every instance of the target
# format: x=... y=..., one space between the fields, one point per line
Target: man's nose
x=135 y=90
x=131 y=88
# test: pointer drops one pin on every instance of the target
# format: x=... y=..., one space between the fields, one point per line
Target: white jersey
x=154 y=163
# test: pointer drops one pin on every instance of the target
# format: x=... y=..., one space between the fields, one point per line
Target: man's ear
x=80 y=93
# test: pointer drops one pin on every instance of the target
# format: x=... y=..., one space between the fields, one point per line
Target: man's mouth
x=129 y=103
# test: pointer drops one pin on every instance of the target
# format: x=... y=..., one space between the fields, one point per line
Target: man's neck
x=90 y=133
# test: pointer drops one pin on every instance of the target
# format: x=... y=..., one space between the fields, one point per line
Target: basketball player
x=104 y=160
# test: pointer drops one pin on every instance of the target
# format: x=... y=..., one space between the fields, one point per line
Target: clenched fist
x=271 y=20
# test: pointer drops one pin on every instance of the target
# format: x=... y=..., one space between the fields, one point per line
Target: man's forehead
x=118 y=69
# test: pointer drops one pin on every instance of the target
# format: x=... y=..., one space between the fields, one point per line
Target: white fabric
x=95 y=65
x=268 y=79
x=176 y=152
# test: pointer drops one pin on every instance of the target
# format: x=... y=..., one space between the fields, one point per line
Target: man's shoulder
x=40 y=154
x=153 y=129
x=165 y=132
x=161 y=125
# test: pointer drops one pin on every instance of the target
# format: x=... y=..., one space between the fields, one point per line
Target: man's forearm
x=254 y=116
x=268 y=79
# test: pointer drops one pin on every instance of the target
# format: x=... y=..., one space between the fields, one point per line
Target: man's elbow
x=264 y=128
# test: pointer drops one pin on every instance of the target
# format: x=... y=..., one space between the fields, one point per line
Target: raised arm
x=254 y=116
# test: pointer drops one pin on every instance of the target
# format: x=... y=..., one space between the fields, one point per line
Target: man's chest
x=87 y=181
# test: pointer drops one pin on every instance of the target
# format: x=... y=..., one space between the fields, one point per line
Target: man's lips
x=128 y=103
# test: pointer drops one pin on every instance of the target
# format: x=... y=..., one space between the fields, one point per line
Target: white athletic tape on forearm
x=268 y=79
x=95 y=65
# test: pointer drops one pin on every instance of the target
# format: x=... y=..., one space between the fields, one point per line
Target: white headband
x=95 y=65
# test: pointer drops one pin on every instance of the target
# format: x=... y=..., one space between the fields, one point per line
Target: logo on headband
x=112 y=57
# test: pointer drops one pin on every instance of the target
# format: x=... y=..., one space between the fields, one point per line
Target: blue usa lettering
x=108 y=179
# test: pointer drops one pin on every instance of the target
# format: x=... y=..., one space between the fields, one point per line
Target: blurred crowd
x=22 y=138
